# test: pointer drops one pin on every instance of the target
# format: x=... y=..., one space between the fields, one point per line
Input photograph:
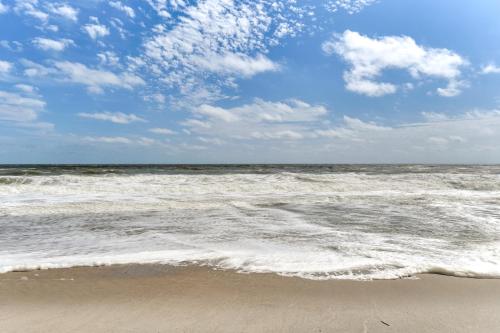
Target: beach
x=249 y=166
x=162 y=298
x=250 y=248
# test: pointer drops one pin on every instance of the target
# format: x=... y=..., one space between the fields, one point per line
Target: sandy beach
x=156 y=298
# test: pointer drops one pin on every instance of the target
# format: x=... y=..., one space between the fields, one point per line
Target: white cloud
x=434 y=116
x=26 y=88
x=433 y=140
x=3 y=8
x=5 y=67
x=30 y=8
x=141 y=141
x=221 y=39
x=144 y=141
x=277 y=135
x=51 y=27
x=478 y=114
x=96 y=80
x=351 y=129
x=350 y=6
x=47 y=44
x=96 y=30
x=457 y=138
x=359 y=125
x=118 y=25
x=13 y=46
x=114 y=117
x=237 y=64
x=453 y=88
x=196 y=124
x=212 y=141
x=32 y=69
x=41 y=127
x=369 y=57
x=294 y=130
x=156 y=98
x=162 y=131
x=292 y=120
x=109 y=58
x=439 y=138
x=445 y=141
x=108 y=139
x=64 y=10
x=217 y=113
x=18 y=108
x=328 y=133
x=200 y=48
x=490 y=69
x=120 y=6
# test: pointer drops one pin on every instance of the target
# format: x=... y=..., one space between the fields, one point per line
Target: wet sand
x=156 y=298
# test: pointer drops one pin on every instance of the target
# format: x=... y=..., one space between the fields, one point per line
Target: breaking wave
x=318 y=222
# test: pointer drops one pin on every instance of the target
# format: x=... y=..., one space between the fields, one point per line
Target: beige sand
x=154 y=298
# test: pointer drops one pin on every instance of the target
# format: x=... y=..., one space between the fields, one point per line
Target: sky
x=249 y=81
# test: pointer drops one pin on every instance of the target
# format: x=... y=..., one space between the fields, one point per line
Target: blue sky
x=222 y=81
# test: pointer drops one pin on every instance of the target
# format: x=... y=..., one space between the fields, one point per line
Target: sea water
x=311 y=221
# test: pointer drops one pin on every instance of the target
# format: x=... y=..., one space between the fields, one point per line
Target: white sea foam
x=351 y=225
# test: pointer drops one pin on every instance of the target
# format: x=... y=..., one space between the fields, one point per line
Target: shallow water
x=343 y=221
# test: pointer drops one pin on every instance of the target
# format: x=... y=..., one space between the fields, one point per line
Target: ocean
x=312 y=221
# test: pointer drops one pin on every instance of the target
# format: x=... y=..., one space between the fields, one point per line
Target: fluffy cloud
x=52 y=44
x=141 y=141
x=96 y=30
x=120 y=6
x=213 y=112
x=32 y=69
x=462 y=138
x=351 y=6
x=291 y=120
x=237 y=64
x=18 y=108
x=490 y=69
x=295 y=126
x=108 y=139
x=26 y=88
x=114 y=117
x=5 y=67
x=13 y=46
x=232 y=27
x=64 y=10
x=109 y=58
x=459 y=137
x=434 y=116
x=96 y=80
x=162 y=131
x=30 y=8
x=3 y=8
x=369 y=57
x=197 y=49
x=217 y=42
x=155 y=98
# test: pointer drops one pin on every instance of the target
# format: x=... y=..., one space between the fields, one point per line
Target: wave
x=362 y=273
x=318 y=225
x=335 y=182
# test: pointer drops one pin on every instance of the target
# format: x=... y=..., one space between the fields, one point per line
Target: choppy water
x=345 y=221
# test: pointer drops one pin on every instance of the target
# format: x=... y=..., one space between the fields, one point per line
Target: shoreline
x=162 y=298
x=146 y=267
x=207 y=266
